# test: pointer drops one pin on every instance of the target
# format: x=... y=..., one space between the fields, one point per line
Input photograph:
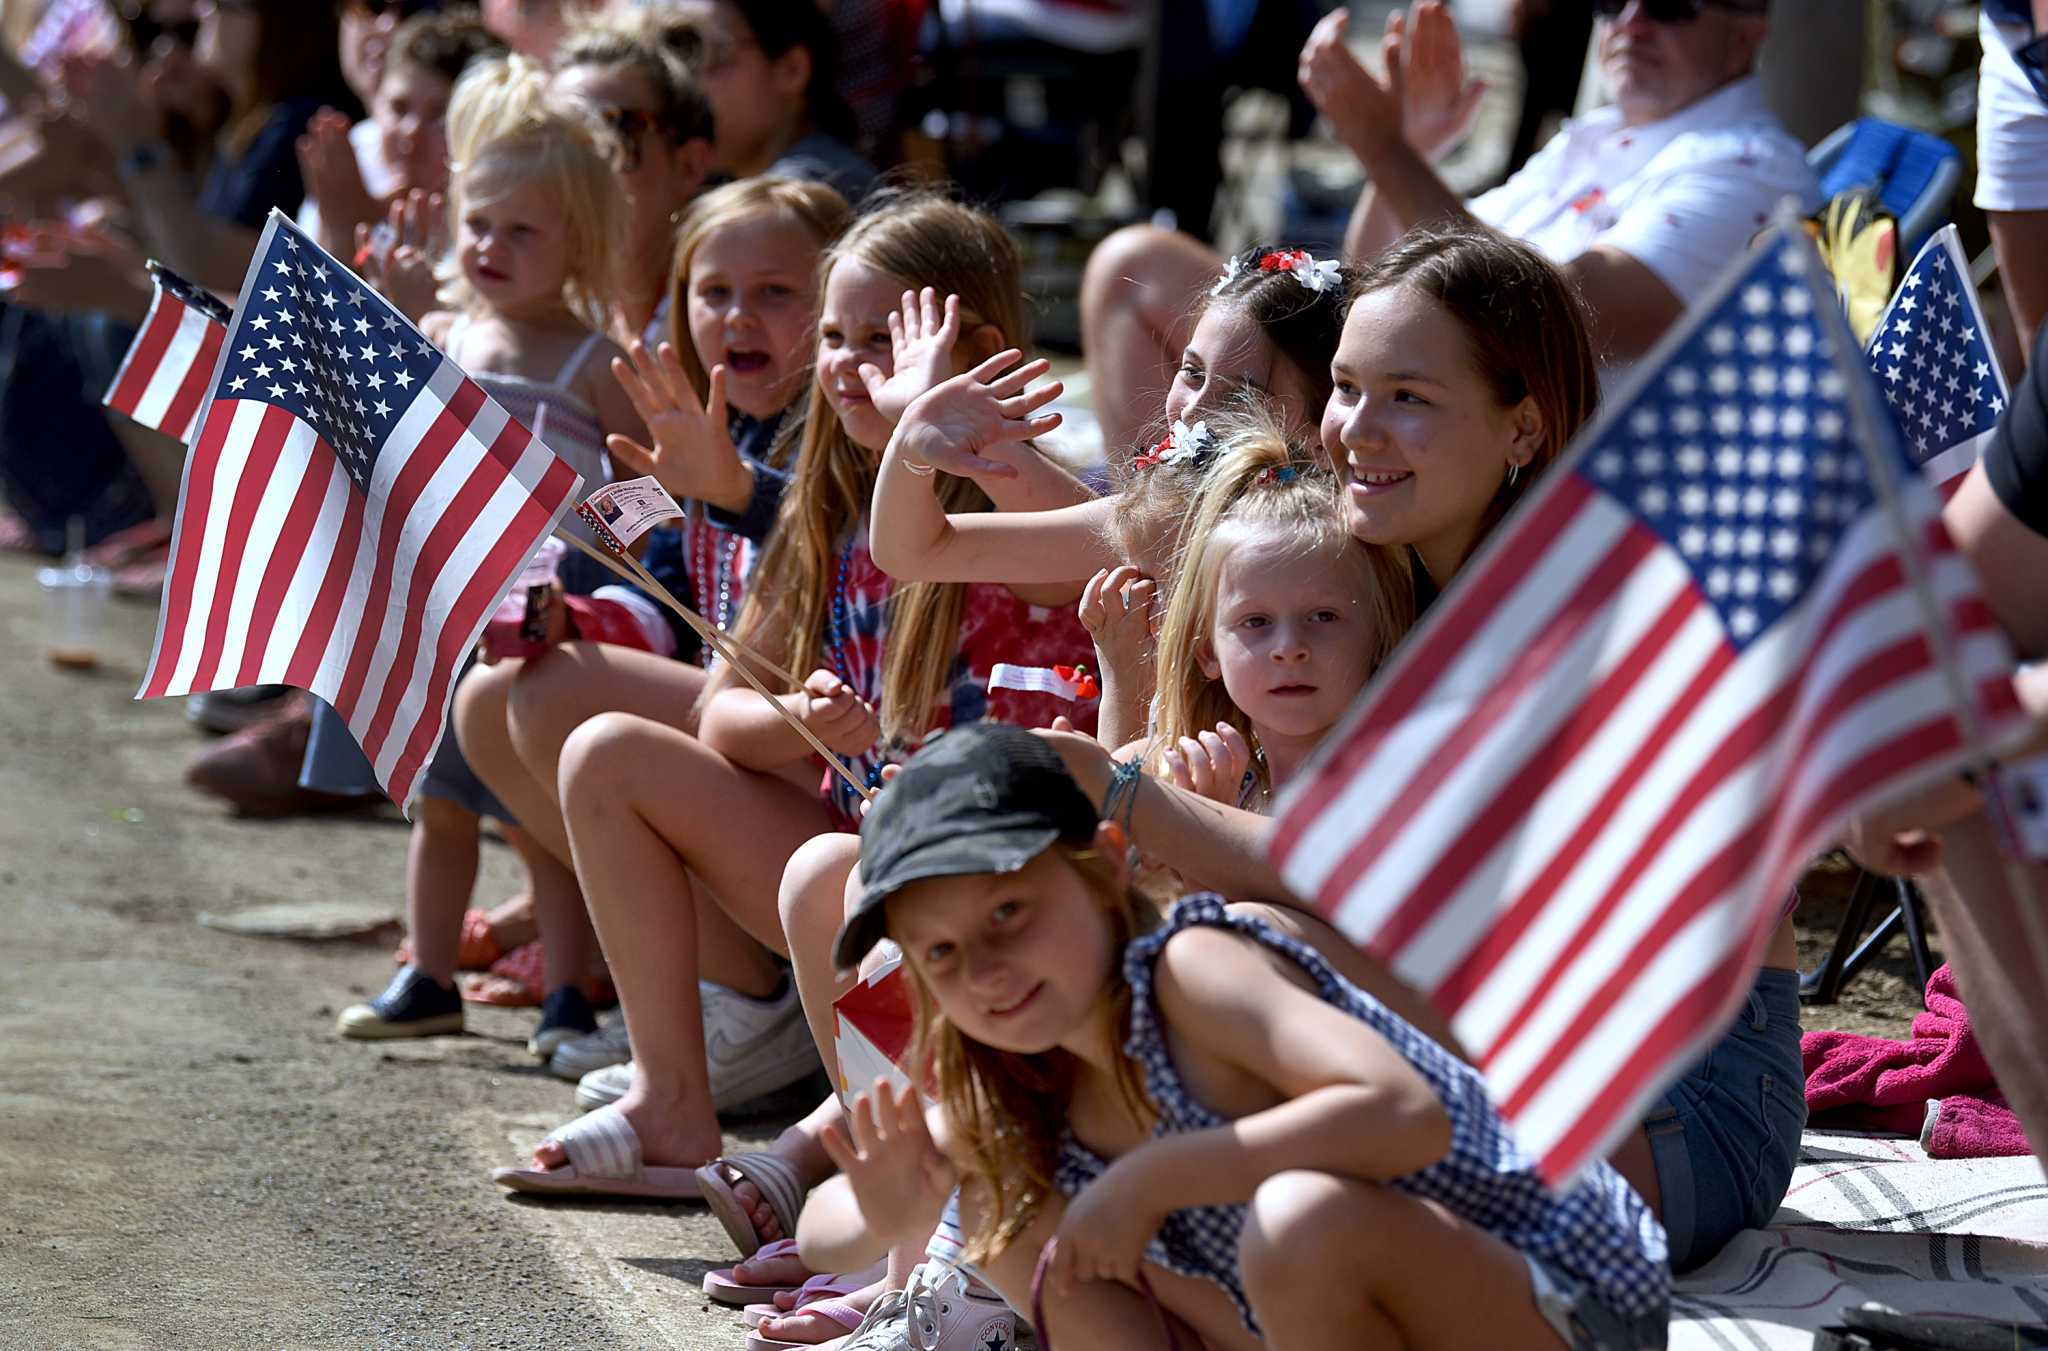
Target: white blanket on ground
x=1871 y=1219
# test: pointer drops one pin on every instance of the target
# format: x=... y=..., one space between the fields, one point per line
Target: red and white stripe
x=283 y=572
x=1569 y=811
x=164 y=378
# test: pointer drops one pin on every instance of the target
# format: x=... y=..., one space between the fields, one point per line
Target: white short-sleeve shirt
x=1682 y=196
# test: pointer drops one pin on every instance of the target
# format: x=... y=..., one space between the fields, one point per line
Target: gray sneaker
x=754 y=1046
x=578 y=1056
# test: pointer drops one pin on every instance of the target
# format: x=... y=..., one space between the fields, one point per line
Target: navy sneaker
x=564 y=1016
x=414 y=1004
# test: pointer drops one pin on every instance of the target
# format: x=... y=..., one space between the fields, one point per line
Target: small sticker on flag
x=1071 y=683
x=622 y=512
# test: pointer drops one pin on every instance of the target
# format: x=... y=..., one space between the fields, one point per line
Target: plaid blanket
x=1875 y=1219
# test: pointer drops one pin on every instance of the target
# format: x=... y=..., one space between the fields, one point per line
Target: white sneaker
x=938 y=1312
x=604 y=1086
x=754 y=1046
x=578 y=1056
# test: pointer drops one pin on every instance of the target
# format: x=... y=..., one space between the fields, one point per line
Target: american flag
x=1570 y=808
x=169 y=366
x=354 y=508
x=1938 y=372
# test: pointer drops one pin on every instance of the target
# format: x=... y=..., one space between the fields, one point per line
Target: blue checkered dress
x=1600 y=1231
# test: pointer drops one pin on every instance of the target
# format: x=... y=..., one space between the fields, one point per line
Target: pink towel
x=1873 y=1083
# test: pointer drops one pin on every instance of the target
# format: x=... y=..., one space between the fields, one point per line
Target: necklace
x=839 y=626
x=714 y=556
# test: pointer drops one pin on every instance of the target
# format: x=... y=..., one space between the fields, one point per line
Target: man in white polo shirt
x=1642 y=202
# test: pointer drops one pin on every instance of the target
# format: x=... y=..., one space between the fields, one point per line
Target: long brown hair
x=1007 y=1110
x=820 y=210
x=923 y=239
x=298 y=56
x=1524 y=323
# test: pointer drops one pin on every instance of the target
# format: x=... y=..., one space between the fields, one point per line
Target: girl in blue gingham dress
x=1197 y=1108
x=1597 y=1239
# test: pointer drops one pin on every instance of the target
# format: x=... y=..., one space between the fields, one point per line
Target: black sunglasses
x=1676 y=11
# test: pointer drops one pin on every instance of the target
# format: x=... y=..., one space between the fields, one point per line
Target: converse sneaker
x=754 y=1046
x=578 y=1056
x=939 y=1313
x=412 y=1005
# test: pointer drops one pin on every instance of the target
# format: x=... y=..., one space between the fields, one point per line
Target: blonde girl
x=1276 y=620
x=537 y=215
x=1197 y=1110
x=678 y=837
x=1266 y=329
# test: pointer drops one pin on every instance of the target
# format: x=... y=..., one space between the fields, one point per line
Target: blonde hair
x=503 y=127
x=1008 y=1110
x=1261 y=488
x=923 y=239
x=817 y=208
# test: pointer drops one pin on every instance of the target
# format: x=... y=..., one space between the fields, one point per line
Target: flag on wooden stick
x=169 y=367
x=1934 y=362
x=1571 y=807
x=353 y=509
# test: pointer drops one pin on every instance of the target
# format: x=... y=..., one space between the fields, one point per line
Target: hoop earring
x=1514 y=472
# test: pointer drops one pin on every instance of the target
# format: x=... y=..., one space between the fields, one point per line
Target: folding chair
x=1915 y=173
x=1849 y=956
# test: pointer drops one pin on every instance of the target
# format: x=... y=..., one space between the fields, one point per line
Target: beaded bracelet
x=1123 y=792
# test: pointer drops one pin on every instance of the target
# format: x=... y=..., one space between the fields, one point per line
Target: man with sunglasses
x=1643 y=201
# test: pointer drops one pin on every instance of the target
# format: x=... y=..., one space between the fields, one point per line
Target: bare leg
x=511 y=920
x=1322 y=1252
x=813 y=905
x=482 y=707
x=652 y=812
x=2021 y=239
x=440 y=874
x=1996 y=966
x=1138 y=294
x=2010 y=558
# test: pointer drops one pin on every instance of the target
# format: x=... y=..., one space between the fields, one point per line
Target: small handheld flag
x=353 y=509
x=169 y=367
x=1935 y=364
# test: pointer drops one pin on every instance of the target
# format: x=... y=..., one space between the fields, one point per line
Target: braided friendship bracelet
x=1123 y=793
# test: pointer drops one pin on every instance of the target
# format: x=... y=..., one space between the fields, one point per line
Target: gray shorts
x=1585 y=1323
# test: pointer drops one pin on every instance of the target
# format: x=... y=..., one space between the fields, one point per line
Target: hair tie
x=1276 y=474
x=1318 y=277
x=1183 y=445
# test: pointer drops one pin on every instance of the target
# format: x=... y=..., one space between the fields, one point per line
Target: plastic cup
x=75 y=613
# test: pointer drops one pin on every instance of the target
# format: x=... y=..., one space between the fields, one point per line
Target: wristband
x=142 y=158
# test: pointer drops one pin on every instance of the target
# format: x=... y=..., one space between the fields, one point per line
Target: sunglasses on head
x=1675 y=11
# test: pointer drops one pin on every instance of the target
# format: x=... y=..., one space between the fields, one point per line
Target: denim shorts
x=1725 y=1138
x=1585 y=1323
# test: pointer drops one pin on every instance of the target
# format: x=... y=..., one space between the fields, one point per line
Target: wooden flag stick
x=734 y=655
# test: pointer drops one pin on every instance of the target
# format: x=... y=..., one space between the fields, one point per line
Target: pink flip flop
x=837 y=1310
x=725 y=1287
x=604 y=1160
x=811 y=1296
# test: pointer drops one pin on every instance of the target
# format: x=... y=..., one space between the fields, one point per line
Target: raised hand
x=837 y=716
x=921 y=339
x=334 y=180
x=951 y=424
x=1117 y=610
x=104 y=93
x=396 y=255
x=1211 y=765
x=1425 y=61
x=898 y=1175
x=693 y=453
x=1359 y=106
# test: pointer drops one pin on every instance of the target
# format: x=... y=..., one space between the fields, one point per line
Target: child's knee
x=480 y=703
x=598 y=766
x=1303 y=1231
x=811 y=898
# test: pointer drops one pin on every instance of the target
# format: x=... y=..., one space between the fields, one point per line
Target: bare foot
x=512 y=923
x=801 y=1152
x=673 y=1133
x=801 y=1325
